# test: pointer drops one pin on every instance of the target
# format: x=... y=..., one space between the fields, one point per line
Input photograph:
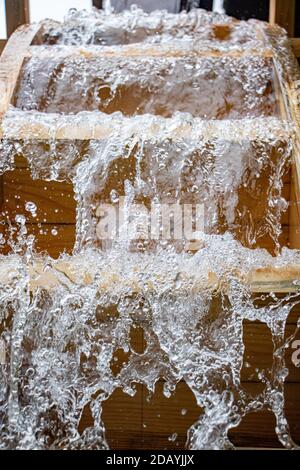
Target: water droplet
x=114 y=196
x=31 y=207
x=20 y=219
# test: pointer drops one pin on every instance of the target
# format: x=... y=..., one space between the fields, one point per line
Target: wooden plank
x=282 y=279
x=54 y=200
x=123 y=415
x=290 y=84
x=21 y=162
x=97 y=4
x=2 y=44
x=258 y=355
x=53 y=239
x=167 y=420
x=295 y=43
x=54 y=245
x=22 y=125
x=282 y=12
x=19 y=188
x=256 y=201
x=278 y=280
x=258 y=428
x=161 y=418
x=17 y=14
x=259 y=352
x=11 y=62
x=156 y=422
x=268 y=243
x=88 y=52
x=56 y=205
x=50 y=239
x=263 y=300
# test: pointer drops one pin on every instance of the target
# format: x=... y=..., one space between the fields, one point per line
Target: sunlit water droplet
x=31 y=207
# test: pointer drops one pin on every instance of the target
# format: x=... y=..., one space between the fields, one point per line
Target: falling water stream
x=176 y=135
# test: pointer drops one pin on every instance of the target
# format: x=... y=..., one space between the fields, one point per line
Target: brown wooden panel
x=267 y=242
x=56 y=204
x=122 y=415
x=282 y=12
x=257 y=429
x=166 y=420
x=2 y=44
x=259 y=352
x=17 y=14
x=294 y=315
x=257 y=202
x=53 y=244
x=156 y=422
x=263 y=300
x=54 y=200
x=162 y=420
x=46 y=239
x=97 y=3
x=151 y=422
x=295 y=43
x=20 y=162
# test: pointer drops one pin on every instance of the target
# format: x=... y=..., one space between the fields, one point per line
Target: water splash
x=107 y=7
x=218 y=142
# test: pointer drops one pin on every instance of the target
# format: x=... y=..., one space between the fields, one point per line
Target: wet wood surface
x=151 y=421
